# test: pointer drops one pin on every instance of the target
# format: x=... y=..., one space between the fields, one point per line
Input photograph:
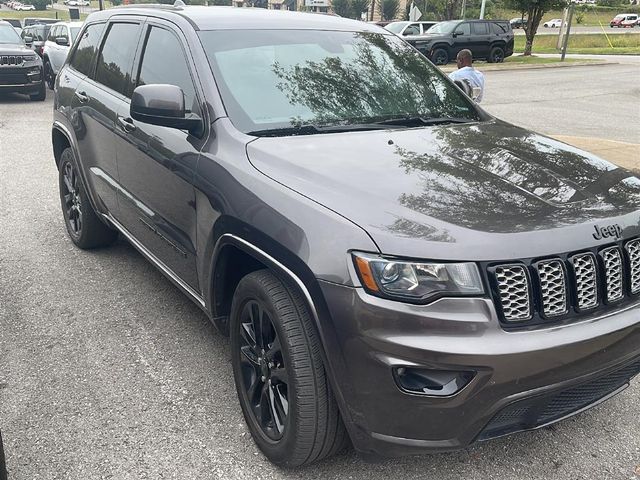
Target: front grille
x=633 y=251
x=13 y=79
x=613 y=273
x=553 y=288
x=533 y=291
x=584 y=266
x=11 y=60
x=542 y=410
x=513 y=288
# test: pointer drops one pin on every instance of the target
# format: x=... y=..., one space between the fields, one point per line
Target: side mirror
x=64 y=41
x=28 y=40
x=457 y=34
x=163 y=105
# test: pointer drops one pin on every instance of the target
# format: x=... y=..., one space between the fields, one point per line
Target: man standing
x=469 y=75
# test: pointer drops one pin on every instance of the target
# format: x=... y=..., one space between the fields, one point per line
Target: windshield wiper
x=315 y=129
x=422 y=121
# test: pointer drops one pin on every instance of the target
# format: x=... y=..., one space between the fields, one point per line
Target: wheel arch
x=60 y=140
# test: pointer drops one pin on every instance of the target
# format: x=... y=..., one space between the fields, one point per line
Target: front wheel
x=279 y=373
x=40 y=95
x=440 y=56
x=83 y=225
x=49 y=75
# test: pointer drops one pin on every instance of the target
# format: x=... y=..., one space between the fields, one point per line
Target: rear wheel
x=440 y=56
x=496 y=55
x=279 y=373
x=83 y=225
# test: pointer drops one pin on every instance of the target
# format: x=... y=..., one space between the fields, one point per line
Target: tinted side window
x=413 y=29
x=161 y=45
x=463 y=29
x=64 y=32
x=115 y=58
x=498 y=28
x=52 y=33
x=480 y=28
x=87 y=47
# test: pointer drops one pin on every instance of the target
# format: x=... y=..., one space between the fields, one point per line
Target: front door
x=156 y=165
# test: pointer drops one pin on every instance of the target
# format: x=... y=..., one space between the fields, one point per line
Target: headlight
x=417 y=281
x=29 y=58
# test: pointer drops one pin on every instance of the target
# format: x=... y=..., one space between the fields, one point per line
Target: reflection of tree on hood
x=527 y=181
x=382 y=78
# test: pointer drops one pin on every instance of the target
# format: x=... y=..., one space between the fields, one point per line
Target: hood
x=14 y=49
x=482 y=191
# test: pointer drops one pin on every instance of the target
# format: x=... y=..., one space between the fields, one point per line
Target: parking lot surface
x=108 y=371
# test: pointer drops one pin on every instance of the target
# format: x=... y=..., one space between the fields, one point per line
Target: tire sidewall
x=277 y=451
x=67 y=156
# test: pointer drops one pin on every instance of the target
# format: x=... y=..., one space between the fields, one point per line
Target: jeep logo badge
x=614 y=230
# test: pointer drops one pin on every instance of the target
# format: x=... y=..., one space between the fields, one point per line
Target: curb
x=493 y=68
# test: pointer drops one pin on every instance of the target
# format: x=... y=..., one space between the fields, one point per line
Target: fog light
x=439 y=383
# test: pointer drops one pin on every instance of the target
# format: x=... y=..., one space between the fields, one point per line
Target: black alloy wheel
x=72 y=201
x=496 y=55
x=49 y=76
x=440 y=56
x=264 y=373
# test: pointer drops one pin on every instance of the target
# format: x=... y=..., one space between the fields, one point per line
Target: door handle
x=126 y=124
x=82 y=96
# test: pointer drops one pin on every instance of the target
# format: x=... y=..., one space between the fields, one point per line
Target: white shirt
x=473 y=76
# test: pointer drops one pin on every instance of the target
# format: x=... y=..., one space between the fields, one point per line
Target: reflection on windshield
x=9 y=35
x=443 y=27
x=291 y=78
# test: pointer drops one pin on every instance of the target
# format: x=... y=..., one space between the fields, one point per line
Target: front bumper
x=531 y=367
x=27 y=79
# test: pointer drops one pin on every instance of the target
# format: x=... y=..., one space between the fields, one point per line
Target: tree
x=533 y=11
x=357 y=7
x=40 y=4
x=341 y=7
x=388 y=9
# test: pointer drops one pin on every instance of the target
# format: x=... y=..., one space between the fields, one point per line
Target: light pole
x=484 y=3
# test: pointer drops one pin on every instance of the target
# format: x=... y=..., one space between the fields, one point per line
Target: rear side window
x=115 y=58
x=499 y=28
x=87 y=47
x=480 y=28
x=161 y=45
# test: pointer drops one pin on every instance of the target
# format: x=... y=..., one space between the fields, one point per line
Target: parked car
x=24 y=7
x=15 y=23
x=33 y=20
x=56 y=47
x=624 y=20
x=518 y=22
x=488 y=39
x=404 y=270
x=405 y=29
x=37 y=34
x=20 y=67
x=554 y=23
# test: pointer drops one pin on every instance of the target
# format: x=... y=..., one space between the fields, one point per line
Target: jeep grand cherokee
x=20 y=67
x=392 y=264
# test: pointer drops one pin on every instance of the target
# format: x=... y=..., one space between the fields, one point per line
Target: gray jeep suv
x=393 y=265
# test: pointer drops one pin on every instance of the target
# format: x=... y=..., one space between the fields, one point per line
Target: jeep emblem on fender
x=614 y=230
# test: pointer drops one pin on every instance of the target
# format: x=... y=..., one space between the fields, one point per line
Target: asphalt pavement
x=109 y=372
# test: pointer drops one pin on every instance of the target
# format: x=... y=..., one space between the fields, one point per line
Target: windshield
x=74 y=33
x=443 y=27
x=9 y=35
x=276 y=79
x=396 y=27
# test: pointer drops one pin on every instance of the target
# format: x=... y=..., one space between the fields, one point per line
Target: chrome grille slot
x=584 y=266
x=553 y=288
x=11 y=60
x=513 y=287
x=612 y=259
x=633 y=250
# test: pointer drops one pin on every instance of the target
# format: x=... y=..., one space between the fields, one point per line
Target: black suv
x=487 y=39
x=20 y=67
x=392 y=264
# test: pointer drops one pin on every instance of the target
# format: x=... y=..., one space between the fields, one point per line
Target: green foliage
x=580 y=13
x=533 y=11
x=226 y=3
x=357 y=7
x=388 y=9
x=612 y=3
x=341 y=7
x=440 y=9
x=116 y=3
x=40 y=4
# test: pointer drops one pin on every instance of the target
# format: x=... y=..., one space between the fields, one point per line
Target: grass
x=533 y=60
x=596 y=43
x=62 y=15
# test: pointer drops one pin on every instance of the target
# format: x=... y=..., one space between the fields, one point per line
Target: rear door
x=480 y=39
x=157 y=164
x=98 y=98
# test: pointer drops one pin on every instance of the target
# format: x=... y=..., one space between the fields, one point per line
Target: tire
x=3 y=466
x=41 y=95
x=440 y=56
x=496 y=55
x=49 y=75
x=286 y=377
x=85 y=228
